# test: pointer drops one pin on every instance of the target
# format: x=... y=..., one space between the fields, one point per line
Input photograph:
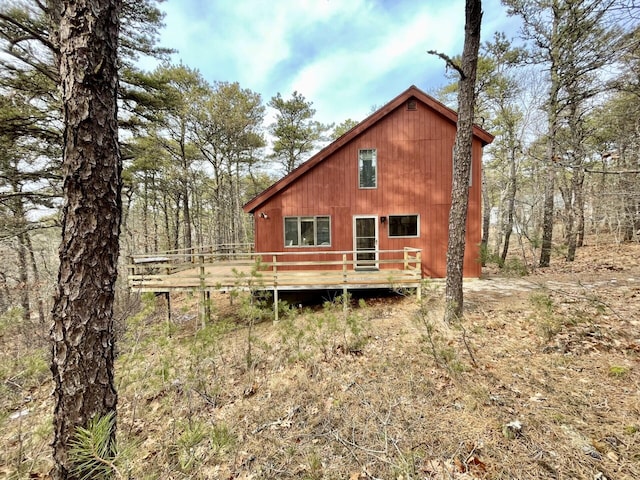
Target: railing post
x=275 y=288
x=132 y=267
x=406 y=258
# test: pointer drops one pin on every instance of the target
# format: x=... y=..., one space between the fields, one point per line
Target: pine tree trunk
x=36 y=278
x=581 y=226
x=83 y=332
x=511 y=203
x=145 y=213
x=486 y=223
x=552 y=116
x=23 y=278
x=462 y=154
x=20 y=220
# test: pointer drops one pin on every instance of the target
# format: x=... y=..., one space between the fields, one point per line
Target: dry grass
x=386 y=392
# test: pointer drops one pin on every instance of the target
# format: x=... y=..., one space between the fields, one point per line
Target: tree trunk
x=186 y=213
x=155 y=207
x=511 y=203
x=462 y=154
x=145 y=213
x=552 y=117
x=167 y=223
x=36 y=278
x=577 y=208
x=186 y=218
x=83 y=331
x=486 y=223
x=581 y=227
x=176 y=225
x=23 y=278
x=5 y=294
x=20 y=221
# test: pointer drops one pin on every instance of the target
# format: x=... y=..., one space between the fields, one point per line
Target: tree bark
x=462 y=154
x=552 y=118
x=511 y=202
x=486 y=223
x=83 y=329
x=36 y=278
x=23 y=278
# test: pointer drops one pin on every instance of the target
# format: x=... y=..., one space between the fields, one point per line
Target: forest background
x=562 y=98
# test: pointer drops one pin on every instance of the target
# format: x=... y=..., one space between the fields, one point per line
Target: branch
x=449 y=61
x=611 y=172
x=29 y=228
x=27 y=60
x=4 y=196
x=34 y=33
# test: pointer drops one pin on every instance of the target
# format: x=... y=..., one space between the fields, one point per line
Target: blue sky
x=343 y=55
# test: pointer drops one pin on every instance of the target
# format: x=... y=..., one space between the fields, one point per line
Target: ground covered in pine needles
x=541 y=379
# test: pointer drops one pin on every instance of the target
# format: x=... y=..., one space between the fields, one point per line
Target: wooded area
x=563 y=99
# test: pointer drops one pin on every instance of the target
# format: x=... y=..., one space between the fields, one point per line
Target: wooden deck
x=210 y=269
x=213 y=270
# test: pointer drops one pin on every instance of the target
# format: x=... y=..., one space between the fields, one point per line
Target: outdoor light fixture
x=263 y=215
x=383 y=219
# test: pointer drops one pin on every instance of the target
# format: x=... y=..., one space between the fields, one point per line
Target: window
x=307 y=231
x=404 y=226
x=367 y=168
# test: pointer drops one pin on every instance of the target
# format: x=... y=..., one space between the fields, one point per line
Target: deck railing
x=212 y=267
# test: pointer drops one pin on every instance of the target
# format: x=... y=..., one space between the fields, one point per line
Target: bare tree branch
x=449 y=61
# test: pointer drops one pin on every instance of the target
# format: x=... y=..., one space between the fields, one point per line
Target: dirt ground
x=540 y=380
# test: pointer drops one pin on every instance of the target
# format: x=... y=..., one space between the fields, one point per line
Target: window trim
x=375 y=158
x=417 y=215
x=299 y=219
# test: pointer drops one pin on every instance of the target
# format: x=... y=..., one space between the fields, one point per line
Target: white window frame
x=299 y=220
x=417 y=215
x=375 y=166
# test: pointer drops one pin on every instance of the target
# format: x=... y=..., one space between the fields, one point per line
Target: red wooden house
x=383 y=185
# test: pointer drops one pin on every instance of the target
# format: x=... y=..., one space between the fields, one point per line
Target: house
x=383 y=185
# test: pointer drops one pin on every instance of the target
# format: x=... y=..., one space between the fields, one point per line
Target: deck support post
x=275 y=289
x=419 y=267
x=204 y=300
x=345 y=290
x=168 y=296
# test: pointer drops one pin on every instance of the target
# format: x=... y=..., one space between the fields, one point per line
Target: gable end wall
x=414 y=151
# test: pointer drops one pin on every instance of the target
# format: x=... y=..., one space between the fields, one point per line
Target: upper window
x=367 y=168
x=404 y=226
x=307 y=231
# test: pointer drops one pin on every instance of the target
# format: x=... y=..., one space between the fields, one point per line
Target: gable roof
x=413 y=91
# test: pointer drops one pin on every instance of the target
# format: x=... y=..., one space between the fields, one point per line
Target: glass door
x=365 y=240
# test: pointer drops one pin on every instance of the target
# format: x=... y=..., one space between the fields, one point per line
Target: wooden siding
x=414 y=161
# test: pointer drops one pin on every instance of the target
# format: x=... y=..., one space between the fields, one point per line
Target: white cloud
x=344 y=56
x=400 y=47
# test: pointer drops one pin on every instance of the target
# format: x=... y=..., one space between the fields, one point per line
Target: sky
x=345 y=56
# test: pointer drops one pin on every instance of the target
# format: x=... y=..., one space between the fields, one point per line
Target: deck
x=225 y=268
x=215 y=270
